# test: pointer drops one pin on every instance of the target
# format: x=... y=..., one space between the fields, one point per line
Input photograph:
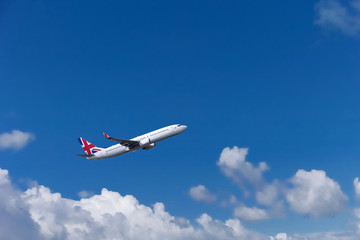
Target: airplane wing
x=85 y=155
x=127 y=143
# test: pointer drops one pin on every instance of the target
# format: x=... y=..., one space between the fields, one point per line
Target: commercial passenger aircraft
x=146 y=142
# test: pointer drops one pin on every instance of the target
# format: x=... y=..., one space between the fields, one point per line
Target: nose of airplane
x=183 y=127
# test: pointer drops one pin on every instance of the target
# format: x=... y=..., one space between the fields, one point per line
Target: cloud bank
x=39 y=214
x=15 y=140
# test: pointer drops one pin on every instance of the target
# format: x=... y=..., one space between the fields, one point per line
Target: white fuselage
x=147 y=141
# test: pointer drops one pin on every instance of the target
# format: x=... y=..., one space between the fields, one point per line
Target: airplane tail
x=88 y=147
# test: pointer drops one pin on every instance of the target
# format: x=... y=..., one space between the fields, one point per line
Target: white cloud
x=201 y=194
x=332 y=13
x=315 y=194
x=233 y=200
x=279 y=236
x=230 y=201
x=15 y=140
x=233 y=164
x=39 y=214
x=312 y=193
x=15 y=220
x=356 y=212
x=268 y=194
x=357 y=188
x=324 y=236
x=85 y=194
x=231 y=229
x=250 y=214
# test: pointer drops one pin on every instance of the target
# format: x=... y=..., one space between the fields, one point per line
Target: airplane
x=146 y=141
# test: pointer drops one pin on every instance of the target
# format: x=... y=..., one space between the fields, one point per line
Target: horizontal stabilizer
x=85 y=155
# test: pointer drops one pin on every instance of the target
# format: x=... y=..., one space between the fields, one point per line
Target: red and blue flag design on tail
x=88 y=147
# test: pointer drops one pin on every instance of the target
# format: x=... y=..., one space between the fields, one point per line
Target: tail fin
x=88 y=147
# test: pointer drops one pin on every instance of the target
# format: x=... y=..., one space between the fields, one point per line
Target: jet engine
x=150 y=146
x=144 y=142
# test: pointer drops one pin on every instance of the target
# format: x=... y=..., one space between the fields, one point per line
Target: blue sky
x=279 y=78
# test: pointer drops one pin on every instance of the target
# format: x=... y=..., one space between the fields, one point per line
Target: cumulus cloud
x=15 y=140
x=15 y=220
x=311 y=193
x=250 y=214
x=39 y=214
x=233 y=164
x=315 y=194
x=231 y=229
x=357 y=188
x=334 y=14
x=201 y=194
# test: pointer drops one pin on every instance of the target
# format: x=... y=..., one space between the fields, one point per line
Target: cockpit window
x=178 y=125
